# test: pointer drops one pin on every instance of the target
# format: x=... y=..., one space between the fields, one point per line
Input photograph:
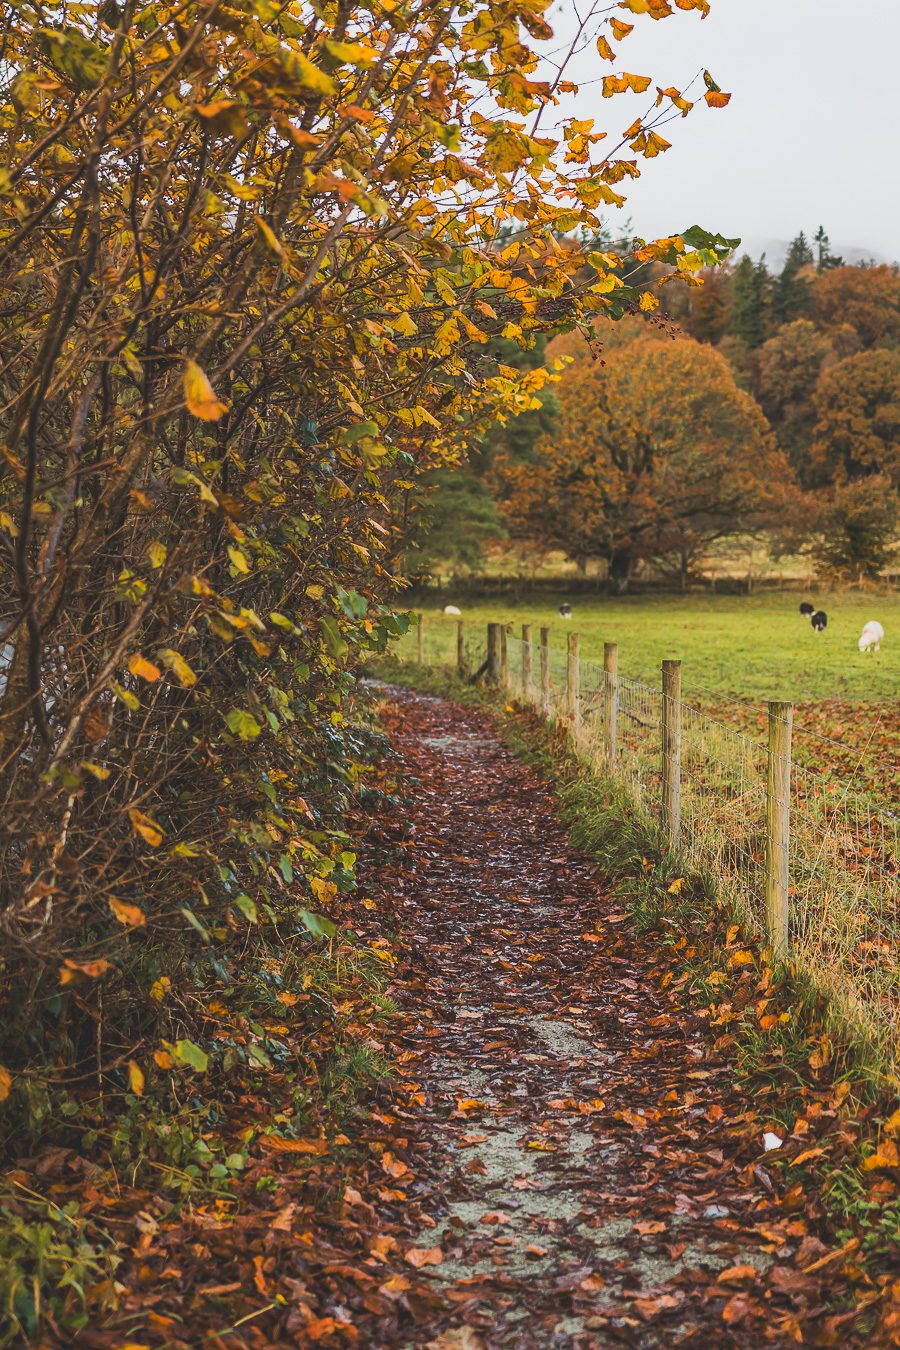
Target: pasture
x=737 y=652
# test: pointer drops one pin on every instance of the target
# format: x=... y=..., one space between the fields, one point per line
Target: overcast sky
x=811 y=136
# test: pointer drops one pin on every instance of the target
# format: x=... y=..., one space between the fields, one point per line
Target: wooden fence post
x=461 y=647
x=421 y=638
x=611 y=706
x=545 y=671
x=671 y=751
x=778 y=825
x=573 y=672
x=504 y=656
x=526 y=662
x=493 y=653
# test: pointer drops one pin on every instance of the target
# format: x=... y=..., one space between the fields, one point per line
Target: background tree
x=750 y=313
x=788 y=369
x=866 y=299
x=655 y=455
x=857 y=528
x=857 y=430
x=792 y=288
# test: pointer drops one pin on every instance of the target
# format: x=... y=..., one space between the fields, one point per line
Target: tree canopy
x=656 y=453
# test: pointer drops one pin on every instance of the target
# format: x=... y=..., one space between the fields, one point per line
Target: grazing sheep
x=565 y=611
x=819 y=620
x=870 y=638
x=806 y=609
x=451 y=609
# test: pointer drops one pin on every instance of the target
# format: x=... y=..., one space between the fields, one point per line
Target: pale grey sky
x=812 y=133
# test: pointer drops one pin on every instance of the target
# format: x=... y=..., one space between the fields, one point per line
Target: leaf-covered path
x=582 y=1169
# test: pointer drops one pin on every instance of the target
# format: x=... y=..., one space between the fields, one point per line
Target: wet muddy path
x=581 y=1166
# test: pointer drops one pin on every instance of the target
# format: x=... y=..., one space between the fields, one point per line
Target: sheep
x=870 y=638
x=564 y=611
x=819 y=620
x=452 y=609
x=806 y=609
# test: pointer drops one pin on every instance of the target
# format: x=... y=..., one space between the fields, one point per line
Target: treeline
x=752 y=401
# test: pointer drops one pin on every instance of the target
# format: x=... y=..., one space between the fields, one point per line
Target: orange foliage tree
x=656 y=454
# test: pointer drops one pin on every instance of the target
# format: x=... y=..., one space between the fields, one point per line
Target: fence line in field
x=812 y=868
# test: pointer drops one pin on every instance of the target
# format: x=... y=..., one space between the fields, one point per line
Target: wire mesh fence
x=812 y=868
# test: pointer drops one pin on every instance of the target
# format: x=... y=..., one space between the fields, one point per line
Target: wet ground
x=585 y=1170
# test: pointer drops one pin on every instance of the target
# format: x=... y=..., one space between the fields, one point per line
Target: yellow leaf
x=159 y=988
x=269 y=236
x=620 y=29
x=649 y=301
x=675 y=888
x=138 y=665
x=135 y=1078
x=199 y=396
x=176 y=663
x=605 y=49
x=145 y=827
x=129 y=915
x=157 y=553
x=5 y=1083
x=892 y=1124
x=239 y=560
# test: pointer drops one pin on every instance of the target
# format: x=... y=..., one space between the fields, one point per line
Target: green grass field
x=736 y=652
x=757 y=647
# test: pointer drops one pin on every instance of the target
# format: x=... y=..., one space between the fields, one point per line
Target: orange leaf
x=135 y=1078
x=885 y=1156
x=716 y=99
x=280 y=1145
x=129 y=915
x=145 y=827
x=199 y=397
x=736 y=1274
x=72 y=969
x=139 y=665
x=620 y=29
x=5 y=1083
x=424 y=1256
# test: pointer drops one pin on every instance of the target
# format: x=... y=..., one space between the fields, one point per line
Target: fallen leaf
x=424 y=1256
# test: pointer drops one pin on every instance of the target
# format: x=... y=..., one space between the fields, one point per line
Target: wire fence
x=813 y=869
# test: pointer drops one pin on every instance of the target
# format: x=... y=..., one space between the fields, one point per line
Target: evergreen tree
x=792 y=294
x=750 y=317
x=825 y=259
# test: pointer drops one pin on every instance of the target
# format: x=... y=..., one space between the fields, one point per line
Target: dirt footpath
x=585 y=1171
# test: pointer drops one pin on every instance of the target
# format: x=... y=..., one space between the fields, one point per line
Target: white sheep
x=870 y=638
x=451 y=609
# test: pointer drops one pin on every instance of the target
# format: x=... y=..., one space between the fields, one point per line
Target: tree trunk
x=621 y=563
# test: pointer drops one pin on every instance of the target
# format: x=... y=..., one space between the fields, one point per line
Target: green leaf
x=247 y=907
x=257 y=1055
x=242 y=724
x=331 y=635
x=195 y=923
x=317 y=924
x=285 y=867
x=190 y=1054
x=351 y=435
